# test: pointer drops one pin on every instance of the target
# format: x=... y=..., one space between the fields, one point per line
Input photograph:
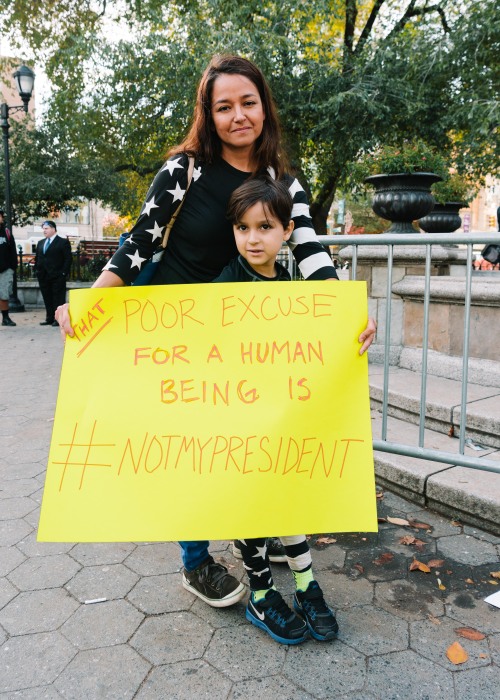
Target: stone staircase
x=469 y=495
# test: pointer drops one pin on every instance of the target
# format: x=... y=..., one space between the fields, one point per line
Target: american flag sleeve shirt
x=201 y=242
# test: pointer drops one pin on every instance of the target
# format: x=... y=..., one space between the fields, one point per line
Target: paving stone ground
x=150 y=639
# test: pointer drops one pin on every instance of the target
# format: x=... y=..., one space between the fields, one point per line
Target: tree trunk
x=320 y=207
x=319 y=215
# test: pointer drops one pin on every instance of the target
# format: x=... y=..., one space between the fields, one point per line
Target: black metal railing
x=86 y=265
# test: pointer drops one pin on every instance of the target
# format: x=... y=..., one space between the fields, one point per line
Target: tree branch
x=351 y=13
x=368 y=26
x=140 y=171
x=445 y=24
x=412 y=11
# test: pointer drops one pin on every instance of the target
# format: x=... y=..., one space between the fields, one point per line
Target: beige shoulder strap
x=174 y=217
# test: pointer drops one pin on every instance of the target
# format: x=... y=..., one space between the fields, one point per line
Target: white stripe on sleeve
x=304 y=234
x=315 y=262
x=300 y=210
x=295 y=187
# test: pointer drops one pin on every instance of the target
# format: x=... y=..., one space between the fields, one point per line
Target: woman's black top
x=201 y=242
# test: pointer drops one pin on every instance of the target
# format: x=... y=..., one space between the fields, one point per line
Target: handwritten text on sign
x=211 y=412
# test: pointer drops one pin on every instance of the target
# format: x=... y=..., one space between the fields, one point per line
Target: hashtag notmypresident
x=244 y=455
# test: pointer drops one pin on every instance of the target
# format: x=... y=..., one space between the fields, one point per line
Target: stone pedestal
x=447 y=299
x=31 y=296
x=446 y=315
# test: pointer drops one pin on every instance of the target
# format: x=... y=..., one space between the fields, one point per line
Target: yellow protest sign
x=212 y=411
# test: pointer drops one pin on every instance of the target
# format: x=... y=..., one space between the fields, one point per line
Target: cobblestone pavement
x=150 y=639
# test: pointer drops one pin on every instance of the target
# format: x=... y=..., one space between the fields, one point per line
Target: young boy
x=260 y=211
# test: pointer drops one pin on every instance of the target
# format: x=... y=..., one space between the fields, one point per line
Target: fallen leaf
x=325 y=540
x=451 y=431
x=420 y=526
x=495 y=574
x=433 y=619
x=470 y=633
x=360 y=568
x=456 y=523
x=483 y=656
x=381 y=520
x=397 y=521
x=410 y=540
x=407 y=539
x=379 y=494
x=418 y=565
x=469 y=580
x=493 y=582
x=457 y=654
x=383 y=559
x=435 y=563
x=440 y=585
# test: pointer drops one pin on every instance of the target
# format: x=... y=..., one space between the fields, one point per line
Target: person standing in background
x=8 y=265
x=52 y=266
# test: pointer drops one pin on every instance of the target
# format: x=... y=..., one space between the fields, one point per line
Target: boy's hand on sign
x=368 y=335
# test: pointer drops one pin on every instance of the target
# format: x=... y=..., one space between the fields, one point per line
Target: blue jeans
x=194 y=553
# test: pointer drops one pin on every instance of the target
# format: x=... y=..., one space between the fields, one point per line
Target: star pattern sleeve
x=311 y=257
x=162 y=200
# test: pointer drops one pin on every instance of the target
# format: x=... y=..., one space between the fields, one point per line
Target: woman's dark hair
x=272 y=194
x=202 y=140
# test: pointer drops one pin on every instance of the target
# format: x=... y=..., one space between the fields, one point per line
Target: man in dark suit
x=52 y=265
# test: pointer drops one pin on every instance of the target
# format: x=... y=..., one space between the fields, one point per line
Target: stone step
x=480 y=371
x=469 y=495
x=443 y=403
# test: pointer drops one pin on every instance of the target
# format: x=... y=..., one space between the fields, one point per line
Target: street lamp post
x=25 y=79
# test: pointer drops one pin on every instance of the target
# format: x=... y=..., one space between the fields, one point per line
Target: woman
x=235 y=133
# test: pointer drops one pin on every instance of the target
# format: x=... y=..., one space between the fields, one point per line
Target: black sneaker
x=211 y=582
x=274 y=616
x=275 y=550
x=311 y=605
x=8 y=322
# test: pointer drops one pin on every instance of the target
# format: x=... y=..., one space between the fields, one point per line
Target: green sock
x=260 y=595
x=303 y=579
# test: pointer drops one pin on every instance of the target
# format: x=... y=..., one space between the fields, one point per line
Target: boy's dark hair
x=272 y=194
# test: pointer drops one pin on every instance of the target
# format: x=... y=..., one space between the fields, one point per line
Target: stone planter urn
x=443 y=218
x=402 y=198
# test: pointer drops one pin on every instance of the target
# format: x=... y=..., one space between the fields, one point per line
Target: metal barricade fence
x=426 y=240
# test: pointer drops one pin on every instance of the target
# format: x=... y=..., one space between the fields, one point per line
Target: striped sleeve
x=163 y=198
x=313 y=260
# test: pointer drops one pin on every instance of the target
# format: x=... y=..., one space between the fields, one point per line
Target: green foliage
x=48 y=174
x=454 y=188
x=347 y=76
x=408 y=157
x=113 y=225
x=364 y=220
